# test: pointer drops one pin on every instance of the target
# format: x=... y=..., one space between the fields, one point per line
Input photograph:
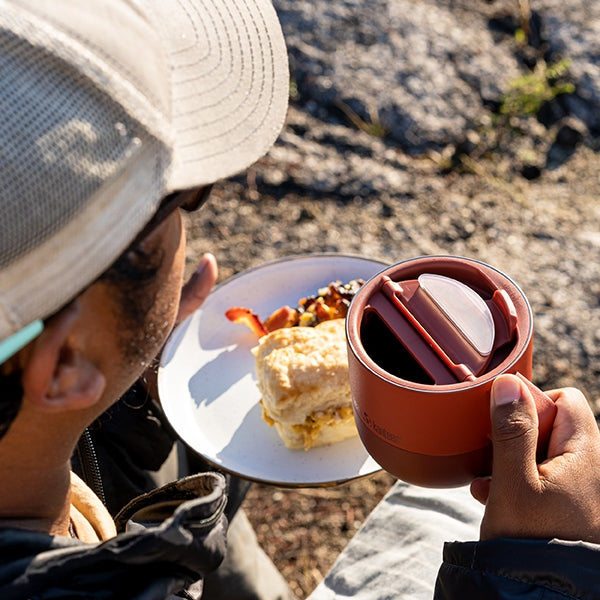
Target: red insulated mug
x=426 y=338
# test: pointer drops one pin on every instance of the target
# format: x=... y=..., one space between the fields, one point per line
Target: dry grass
x=303 y=530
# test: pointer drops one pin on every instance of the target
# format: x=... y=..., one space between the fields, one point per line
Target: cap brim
x=230 y=85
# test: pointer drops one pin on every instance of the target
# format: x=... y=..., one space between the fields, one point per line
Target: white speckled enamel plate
x=207 y=381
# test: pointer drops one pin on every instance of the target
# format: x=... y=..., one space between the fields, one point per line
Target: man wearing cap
x=114 y=115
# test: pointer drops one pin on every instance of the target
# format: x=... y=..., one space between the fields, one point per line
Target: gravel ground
x=543 y=233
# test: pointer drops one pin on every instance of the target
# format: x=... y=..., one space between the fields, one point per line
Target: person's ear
x=56 y=376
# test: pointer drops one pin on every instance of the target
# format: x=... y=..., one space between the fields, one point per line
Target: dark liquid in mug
x=384 y=348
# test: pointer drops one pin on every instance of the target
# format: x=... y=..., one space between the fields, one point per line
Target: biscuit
x=303 y=379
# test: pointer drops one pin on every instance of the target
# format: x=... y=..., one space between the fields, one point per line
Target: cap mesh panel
x=60 y=139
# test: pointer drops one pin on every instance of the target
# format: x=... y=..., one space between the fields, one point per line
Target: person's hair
x=11 y=399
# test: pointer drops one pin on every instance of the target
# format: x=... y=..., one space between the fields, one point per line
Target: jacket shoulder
x=512 y=568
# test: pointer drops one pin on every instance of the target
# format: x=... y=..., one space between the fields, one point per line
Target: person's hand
x=558 y=498
x=198 y=287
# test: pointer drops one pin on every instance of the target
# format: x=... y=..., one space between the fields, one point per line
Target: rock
x=424 y=71
x=570 y=134
x=417 y=68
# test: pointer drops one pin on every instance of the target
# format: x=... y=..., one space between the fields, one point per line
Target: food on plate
x=303 y=378
x=302 y=366
x=330 y=302
x=242 y=315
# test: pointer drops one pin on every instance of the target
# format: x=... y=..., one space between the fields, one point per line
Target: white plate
x=207 y=381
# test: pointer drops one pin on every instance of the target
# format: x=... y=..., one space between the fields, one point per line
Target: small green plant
x=294 y=93
x=521 y=36
x=523 y=32
x=528 y=93
x=373 y=126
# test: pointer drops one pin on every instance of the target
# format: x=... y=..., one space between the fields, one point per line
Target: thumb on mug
x=514 y=428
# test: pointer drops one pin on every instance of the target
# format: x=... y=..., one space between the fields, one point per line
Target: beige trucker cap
x=106 y=106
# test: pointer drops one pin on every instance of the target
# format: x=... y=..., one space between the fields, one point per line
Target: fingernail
x=505 y=390
x=201 y=265
x=200 y=269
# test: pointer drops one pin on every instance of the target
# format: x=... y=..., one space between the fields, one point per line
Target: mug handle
x=546 y=409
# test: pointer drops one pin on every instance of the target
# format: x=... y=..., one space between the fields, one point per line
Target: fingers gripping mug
x=426 y=338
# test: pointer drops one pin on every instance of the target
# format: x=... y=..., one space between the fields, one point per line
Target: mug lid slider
x=447 y=326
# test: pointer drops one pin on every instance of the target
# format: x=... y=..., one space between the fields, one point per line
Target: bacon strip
x=282 y=317
x=244 y=316
x=331 y=302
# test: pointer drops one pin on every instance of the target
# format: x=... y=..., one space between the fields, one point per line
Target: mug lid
x=447 y=326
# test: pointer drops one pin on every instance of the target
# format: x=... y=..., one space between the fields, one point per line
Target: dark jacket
x=510 y=569
x=119 y=452
x=170 y=539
